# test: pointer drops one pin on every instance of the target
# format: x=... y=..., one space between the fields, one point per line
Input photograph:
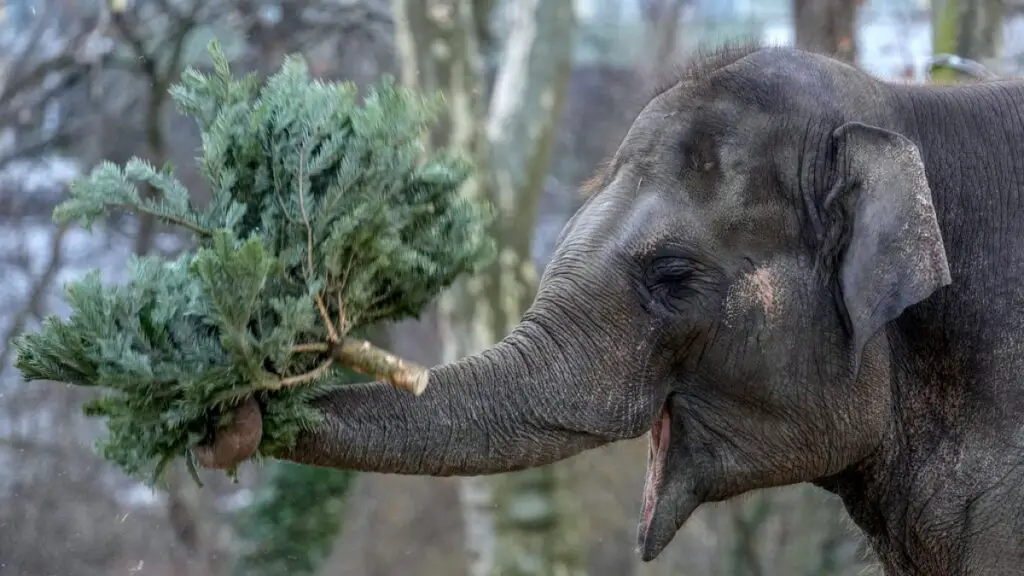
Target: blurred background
x=542 y=90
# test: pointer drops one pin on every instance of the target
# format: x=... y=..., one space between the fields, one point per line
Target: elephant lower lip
x=655 y=464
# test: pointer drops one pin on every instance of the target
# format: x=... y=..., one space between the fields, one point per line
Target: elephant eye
x=671 y=278
x=669 y=271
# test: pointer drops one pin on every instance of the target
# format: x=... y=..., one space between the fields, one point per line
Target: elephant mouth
x=670 y=494
x=656 y=457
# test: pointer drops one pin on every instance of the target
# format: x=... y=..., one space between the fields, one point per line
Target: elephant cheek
x=761 y=291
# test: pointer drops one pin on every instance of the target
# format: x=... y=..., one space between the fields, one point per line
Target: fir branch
x=323 y=221
x=310 y=376
x=109 y=187
x=332 y=333
x=167 y=218
x=316 y=347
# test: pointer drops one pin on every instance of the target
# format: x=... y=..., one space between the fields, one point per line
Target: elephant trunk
x=516 y=405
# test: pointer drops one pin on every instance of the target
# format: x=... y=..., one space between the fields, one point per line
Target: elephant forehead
x=659 y=218
x=656 y=194
x=749 y=208
x=733 y=211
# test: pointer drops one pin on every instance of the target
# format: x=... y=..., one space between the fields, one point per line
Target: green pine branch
x=325 y=218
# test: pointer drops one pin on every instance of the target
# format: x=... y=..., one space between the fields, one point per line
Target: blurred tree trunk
x=661 y=18
x=516 y=524
x=748 y=516
x=827 y=26
x=967 y=28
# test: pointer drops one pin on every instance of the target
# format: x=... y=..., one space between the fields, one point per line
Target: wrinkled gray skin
x=809 y=274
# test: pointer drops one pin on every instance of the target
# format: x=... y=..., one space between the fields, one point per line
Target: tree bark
x=516 y=524
x=827 y=27
x=967 y=28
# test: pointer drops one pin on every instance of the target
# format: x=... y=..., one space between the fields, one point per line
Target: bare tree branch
x=36 y=144
x=662 y=19
x=305 y=21
x=36 y=295
x=42 y=66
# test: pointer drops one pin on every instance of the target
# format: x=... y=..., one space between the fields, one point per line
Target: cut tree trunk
x=516 y=524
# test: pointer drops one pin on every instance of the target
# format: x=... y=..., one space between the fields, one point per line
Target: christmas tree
x=325 y=218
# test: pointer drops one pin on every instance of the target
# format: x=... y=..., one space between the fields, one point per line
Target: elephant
x=790 y=271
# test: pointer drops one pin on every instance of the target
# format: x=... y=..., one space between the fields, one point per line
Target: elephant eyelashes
x=669 y=272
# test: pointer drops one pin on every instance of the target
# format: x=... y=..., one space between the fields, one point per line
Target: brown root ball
x=235 y=442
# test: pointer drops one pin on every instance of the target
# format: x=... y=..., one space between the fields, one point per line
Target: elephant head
x=724 y=288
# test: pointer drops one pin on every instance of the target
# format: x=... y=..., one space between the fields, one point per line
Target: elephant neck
x=941 y=493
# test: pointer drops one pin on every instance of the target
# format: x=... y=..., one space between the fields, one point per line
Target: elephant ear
x=895 y=257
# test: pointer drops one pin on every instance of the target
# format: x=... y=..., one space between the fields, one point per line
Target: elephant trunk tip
x=236 y=441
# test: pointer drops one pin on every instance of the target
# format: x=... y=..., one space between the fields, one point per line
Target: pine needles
x=324 y=220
